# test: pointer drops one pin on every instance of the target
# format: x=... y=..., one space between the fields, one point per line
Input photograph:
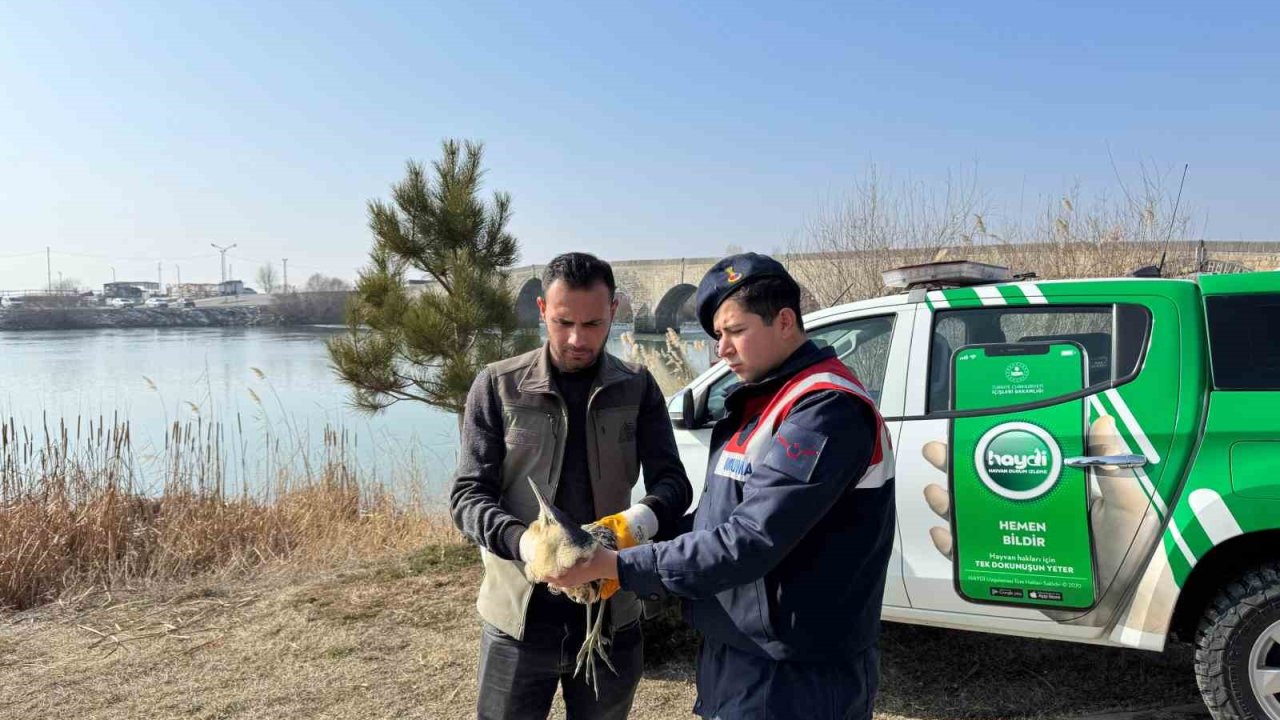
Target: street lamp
x=222 y=289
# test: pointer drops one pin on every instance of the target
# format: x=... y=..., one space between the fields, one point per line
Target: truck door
x=1132 y=405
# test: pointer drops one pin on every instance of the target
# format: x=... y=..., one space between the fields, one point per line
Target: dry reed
x=669 y=364
x=842 y=250
x=74 y=512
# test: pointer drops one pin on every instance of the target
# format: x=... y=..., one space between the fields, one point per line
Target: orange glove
x=633 y=526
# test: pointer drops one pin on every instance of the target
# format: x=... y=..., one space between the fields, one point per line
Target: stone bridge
x=652 y=294
x=659 y=294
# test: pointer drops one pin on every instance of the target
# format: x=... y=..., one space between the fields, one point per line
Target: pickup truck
x=1178 y=522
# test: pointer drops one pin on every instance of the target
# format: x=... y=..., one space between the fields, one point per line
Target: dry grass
x=669 y=364
x=879 y=225
x=74 y=514
x=398 y=637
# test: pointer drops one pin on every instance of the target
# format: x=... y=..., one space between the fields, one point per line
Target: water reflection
x=269 y=388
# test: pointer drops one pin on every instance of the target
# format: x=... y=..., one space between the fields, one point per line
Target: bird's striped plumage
x=559 y=544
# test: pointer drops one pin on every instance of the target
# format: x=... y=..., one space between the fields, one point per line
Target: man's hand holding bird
x=634 y=526
x=602 y=565
x=556 y=559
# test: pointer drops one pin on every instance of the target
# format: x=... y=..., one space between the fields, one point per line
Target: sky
x=133 y=135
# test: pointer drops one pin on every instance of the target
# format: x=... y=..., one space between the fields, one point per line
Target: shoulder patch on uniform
x=795 y=451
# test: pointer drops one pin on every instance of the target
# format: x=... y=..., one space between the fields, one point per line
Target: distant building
x=193 y=290
x=130 y=290
x=205 y=290
x=417 y=286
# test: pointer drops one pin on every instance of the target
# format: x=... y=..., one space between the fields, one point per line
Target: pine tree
x=429 y=346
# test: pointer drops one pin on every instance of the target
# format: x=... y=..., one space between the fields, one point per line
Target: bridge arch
x=675 y=308
x=626 y=313
x=527 y=315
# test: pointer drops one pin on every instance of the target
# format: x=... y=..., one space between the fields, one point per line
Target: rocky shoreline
x=92 y=318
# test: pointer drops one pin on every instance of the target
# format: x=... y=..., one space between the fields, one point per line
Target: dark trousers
x=518 y=678
x=736 y=685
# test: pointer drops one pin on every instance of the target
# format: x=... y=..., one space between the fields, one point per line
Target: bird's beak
x=544 y=507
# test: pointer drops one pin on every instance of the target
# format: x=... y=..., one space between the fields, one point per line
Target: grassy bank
x=79 y=512
x=398 y=637
x=319 y=596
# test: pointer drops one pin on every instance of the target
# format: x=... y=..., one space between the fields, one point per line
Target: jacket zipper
x=557 y=458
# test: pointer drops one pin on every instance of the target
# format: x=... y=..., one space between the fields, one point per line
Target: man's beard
x=577 y=358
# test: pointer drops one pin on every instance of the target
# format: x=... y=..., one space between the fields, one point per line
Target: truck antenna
x=1172 y=218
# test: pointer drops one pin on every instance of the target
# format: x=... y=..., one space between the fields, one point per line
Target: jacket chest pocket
x=616 y=429
x=529 y=435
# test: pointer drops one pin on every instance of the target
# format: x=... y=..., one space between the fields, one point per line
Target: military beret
x=730 y=275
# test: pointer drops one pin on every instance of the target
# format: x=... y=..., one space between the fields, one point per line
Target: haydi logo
x=1018 y=460
x=1038 y=459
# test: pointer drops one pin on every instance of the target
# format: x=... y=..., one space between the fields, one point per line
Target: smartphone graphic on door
x=1019 y=515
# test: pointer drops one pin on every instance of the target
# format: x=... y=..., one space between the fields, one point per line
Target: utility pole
x=159 y=279
x=223 y=250
x=179 y=269
x=286 y=274
x=48 y=267
x=113 y=273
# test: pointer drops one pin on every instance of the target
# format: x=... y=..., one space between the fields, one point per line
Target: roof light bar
x=954 y=273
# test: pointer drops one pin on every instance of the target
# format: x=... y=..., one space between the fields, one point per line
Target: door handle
x=1106 y=461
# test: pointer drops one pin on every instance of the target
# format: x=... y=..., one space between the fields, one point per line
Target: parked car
x=1163 y=461
x=11 y=302
x=156 y=302
x=186 y=303
x=121 y=302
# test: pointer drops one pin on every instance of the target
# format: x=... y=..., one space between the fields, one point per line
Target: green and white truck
x=1087 y=460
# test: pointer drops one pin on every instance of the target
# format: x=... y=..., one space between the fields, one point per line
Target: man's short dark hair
x=580 y=271
x=767 y=297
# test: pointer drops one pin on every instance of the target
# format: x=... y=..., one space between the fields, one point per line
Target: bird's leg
x=601 y=643
x=589 y=647
x=605 y=640
x=585 y=650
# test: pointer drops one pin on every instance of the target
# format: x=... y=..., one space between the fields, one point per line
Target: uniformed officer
x=783 y=570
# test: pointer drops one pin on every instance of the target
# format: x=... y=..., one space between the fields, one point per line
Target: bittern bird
x=559 y=544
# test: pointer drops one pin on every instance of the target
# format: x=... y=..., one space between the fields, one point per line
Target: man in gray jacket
x=581 y=424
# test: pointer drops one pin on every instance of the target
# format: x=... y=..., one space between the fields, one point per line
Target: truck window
x=1244 y=341
x=862 y=345
x=1113 y=336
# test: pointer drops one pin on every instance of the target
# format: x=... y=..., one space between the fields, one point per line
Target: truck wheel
x=1238 y=648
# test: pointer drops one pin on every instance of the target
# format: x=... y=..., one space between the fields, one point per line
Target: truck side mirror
x=693 y=414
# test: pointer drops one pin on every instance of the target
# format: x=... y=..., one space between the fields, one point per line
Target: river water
x=271 y=390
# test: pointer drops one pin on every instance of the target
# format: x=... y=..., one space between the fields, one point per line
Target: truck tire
x=1238 y=648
